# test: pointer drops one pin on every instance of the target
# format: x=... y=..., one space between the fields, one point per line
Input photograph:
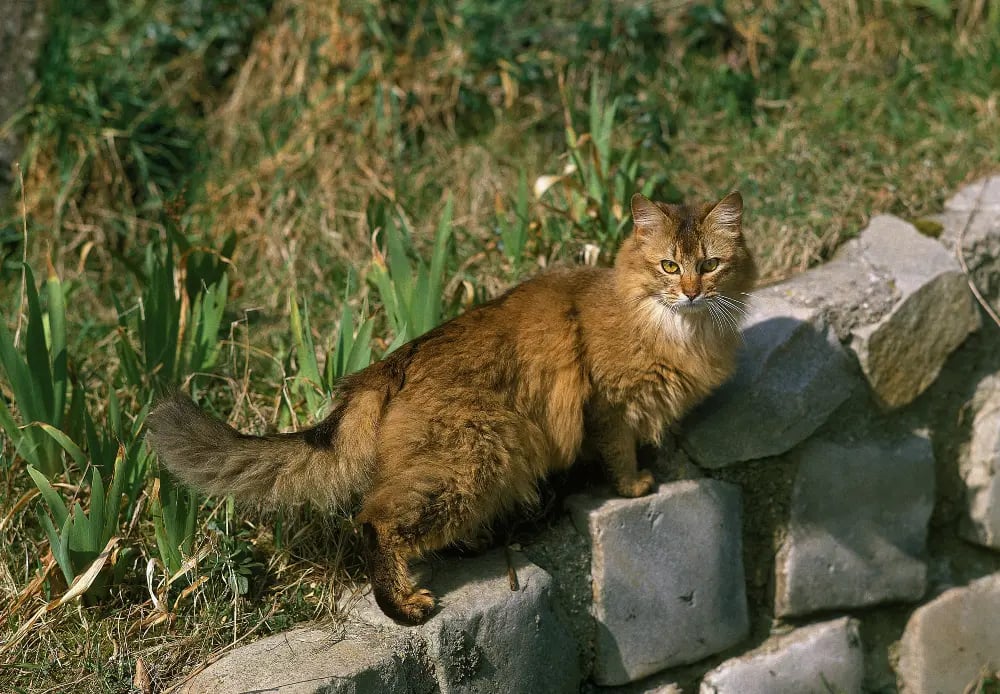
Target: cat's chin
x=690 y=308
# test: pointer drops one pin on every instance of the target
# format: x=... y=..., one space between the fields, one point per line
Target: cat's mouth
x=687 y=305
x=682 y=305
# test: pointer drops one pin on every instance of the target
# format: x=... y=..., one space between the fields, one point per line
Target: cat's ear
x=727 y=215
x=646 y=216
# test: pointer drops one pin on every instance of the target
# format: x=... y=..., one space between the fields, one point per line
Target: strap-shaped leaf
x=26 y=392
x=66 y=442
x=52 y=500
x=57 y=342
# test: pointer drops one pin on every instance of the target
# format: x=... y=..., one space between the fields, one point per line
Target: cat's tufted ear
x=646 y=216
x=727 y=215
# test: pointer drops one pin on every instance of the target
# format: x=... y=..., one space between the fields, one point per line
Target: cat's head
x=688 y=259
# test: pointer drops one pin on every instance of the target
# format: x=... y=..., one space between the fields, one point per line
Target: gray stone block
x=791 y=375
x=948 y=641
x=350 y=660
x=857 y=530
x=976 y=210
x=815 y=659
x=487 y=635
x=667 y=575
x=979 y=466
x=845 y=292
x=902 y=353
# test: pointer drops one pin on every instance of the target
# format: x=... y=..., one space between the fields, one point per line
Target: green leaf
x=28 y=398
x=52 y=500
x=59 y=549
x=361 y=350
x=57 y=339
x=38 y=353
x=97 y=507
x=113 y=502
x=67 y=444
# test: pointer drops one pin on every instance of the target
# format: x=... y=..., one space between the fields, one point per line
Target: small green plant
x=103 y=443
x=351 y=350
x=591 y=196
x=39 y=380
x=514 y=227
x=175 y=513
x=77 y=537
x=177 y=331
x=411 y=290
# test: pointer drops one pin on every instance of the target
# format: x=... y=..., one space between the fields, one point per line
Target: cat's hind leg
x=388 y=557
x=443 y=480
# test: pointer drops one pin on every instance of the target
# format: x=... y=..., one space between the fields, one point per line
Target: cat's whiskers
x=730 y=313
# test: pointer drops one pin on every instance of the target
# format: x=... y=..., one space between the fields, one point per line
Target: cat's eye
x=670 y=267
x=709 y=265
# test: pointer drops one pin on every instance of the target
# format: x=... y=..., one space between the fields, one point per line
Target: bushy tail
x=280 y=468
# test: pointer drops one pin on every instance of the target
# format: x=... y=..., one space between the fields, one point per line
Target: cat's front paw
x=639 y=485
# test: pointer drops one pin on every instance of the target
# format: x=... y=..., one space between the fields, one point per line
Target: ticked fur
x=432 y=443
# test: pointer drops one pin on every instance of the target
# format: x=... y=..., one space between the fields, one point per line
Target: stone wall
x=827 y=522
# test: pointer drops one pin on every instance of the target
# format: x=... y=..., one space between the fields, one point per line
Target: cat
x=459 y=426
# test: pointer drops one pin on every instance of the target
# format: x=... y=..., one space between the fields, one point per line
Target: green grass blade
x=38 y=352
x=207 y=316
x=361 y=350
x=96 y=520
x=26 y=395
x=113 y=501
x=115 y=414
x=434 y=299
x=57 y=545
x=57 y=340
x=66 y=442
x=24 y=444
x=52 y=500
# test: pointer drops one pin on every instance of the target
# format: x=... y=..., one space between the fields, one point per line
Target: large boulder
x=857 y=531
x=667 y=573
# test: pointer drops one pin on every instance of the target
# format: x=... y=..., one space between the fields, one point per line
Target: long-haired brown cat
x=435 y=441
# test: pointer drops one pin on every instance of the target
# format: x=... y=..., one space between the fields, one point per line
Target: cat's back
x=518 y=342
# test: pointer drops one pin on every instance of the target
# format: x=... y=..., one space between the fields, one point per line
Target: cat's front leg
x=617 y=444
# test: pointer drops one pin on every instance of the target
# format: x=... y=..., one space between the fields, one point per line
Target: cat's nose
x=691 y=294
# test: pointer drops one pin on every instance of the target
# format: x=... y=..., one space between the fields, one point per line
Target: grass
x=249 y=200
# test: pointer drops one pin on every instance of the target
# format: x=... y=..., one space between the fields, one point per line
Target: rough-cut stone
x=350 y=660
x=667 y=575
x=487 y=633
x=903 y=352
x=484 y=633
x=845 y=292
x=973 y=217
x=948 y=641
x=979 y=465
x=858 y=525
x=816 y=659
x=792 y=374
